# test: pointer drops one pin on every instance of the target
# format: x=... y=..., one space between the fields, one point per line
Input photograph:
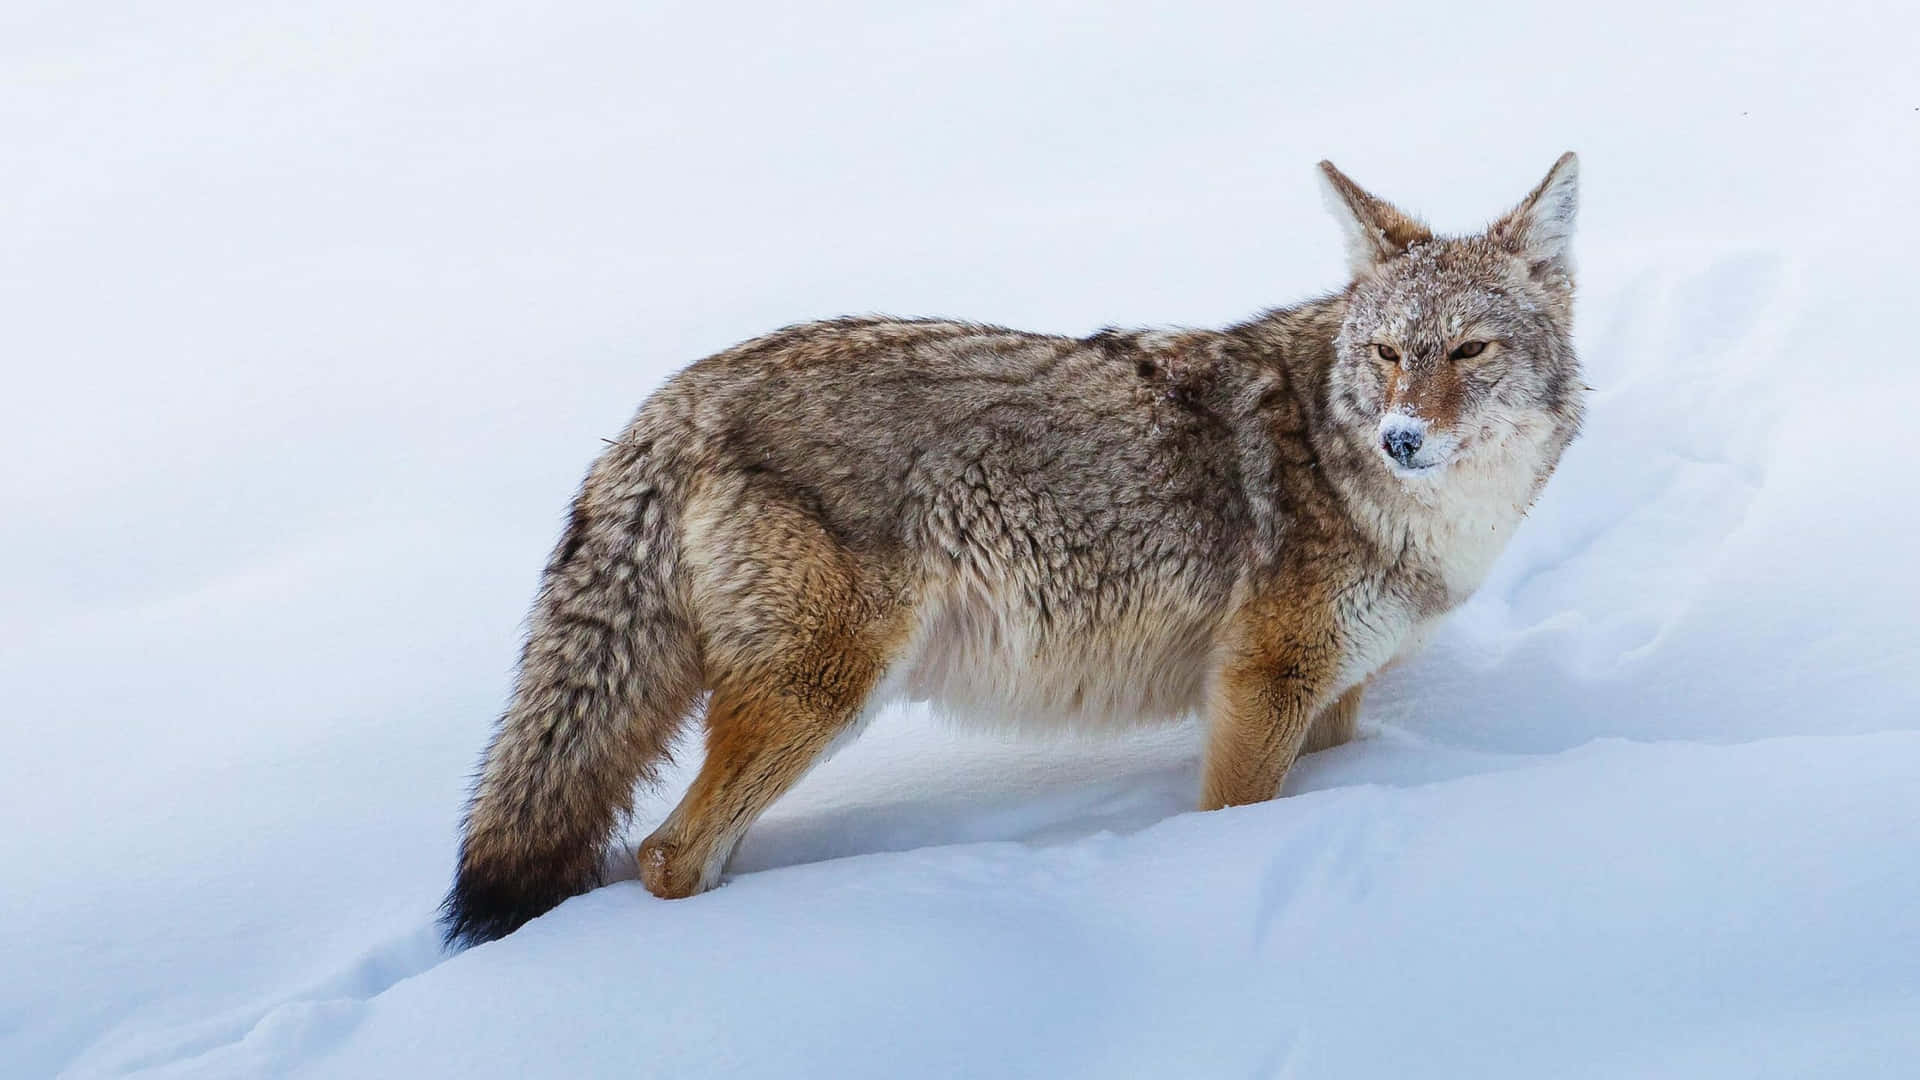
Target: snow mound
x=323 y=313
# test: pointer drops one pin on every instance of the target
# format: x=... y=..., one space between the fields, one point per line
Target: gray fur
x=1073 y=531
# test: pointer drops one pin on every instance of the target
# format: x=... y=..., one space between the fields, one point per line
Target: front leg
x=1337 y=723
x=1279 y=671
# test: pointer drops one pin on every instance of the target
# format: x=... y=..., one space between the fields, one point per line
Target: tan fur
x=1280 y=667
x=1338 y=723
x=1028 y=531
x=808 y=633
x=1431 y=395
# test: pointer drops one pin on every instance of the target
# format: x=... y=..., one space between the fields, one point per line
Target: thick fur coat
x=1027 y=530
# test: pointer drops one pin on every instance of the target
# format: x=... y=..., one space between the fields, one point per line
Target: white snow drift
x=313 y=318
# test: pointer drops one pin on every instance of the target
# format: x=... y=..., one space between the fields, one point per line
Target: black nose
x=1401 y=445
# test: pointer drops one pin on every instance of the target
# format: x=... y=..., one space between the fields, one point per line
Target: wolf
x=1027 y=529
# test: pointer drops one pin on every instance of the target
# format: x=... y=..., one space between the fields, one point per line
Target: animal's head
x=1452 y=345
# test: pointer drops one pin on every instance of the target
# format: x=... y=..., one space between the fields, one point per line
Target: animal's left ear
x=1540 y=229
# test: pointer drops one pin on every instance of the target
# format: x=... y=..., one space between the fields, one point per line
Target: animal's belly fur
x=987 y=658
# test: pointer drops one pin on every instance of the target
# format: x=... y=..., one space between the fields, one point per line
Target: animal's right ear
x=1375 y=229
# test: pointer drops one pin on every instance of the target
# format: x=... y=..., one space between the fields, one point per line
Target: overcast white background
x=312 y=317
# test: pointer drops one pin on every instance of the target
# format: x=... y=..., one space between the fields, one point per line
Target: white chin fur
x=1418 y=471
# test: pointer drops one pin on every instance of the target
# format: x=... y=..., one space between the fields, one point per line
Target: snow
x=313 y=318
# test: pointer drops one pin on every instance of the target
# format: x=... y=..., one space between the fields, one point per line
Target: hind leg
x=798 y=633
x=759 y=744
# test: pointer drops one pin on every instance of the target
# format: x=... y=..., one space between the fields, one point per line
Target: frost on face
x=1427 y=303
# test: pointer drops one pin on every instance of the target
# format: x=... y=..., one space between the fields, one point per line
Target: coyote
x=1027 y=529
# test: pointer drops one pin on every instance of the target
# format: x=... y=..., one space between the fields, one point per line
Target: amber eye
x=1387 y=353
x=1470 y=350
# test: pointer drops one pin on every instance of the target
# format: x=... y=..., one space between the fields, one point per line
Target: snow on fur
x=318 y=317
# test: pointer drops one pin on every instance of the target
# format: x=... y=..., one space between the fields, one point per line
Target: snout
x=1402 y=444
x=1414 y=447
x=1403 y=437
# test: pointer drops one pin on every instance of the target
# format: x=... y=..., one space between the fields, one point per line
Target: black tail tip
x=479 y=910
x=462 y=927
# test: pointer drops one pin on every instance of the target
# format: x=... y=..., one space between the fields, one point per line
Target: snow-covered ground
x=312 y=316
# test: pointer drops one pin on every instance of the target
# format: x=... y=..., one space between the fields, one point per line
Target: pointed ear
x=1376 y=231
x=1540 y=229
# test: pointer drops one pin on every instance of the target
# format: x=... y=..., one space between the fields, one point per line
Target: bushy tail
x=610 y=669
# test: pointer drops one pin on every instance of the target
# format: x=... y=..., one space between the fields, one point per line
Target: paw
x=668 y=871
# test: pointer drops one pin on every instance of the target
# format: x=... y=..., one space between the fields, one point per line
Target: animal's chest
x=1451 y=535
x=1446 y=552
x=1457 y=551
x=1376 y=620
